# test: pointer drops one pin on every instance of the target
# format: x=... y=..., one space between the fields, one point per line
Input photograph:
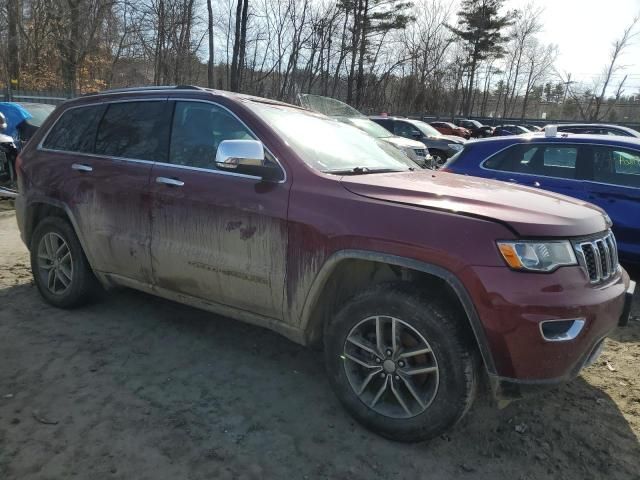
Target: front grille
x=599 y=257
x=420 y=152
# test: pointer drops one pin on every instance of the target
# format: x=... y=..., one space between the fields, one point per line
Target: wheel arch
x=329 y=290
x=42 y=208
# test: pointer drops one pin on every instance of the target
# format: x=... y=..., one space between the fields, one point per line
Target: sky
x=584 y=31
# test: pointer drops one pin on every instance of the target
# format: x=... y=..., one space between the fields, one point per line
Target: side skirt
x=292 y=333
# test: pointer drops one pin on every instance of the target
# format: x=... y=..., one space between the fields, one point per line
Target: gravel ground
x=138 y=387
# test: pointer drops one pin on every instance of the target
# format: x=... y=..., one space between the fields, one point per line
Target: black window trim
x=578 y=145
x=164 y=164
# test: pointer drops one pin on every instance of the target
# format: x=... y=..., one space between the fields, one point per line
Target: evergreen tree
x=480 y=26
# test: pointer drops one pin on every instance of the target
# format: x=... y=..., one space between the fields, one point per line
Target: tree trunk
x=236 y=48
x=355 y=42
x=243 y=42
x=13 y=18
x=211 y=80
x=363 y=51
x=472 y=77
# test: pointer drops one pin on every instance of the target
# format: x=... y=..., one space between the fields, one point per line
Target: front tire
x=60 y=269
x=401 y=363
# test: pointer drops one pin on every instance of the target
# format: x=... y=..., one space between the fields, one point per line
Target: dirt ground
x=134 y=387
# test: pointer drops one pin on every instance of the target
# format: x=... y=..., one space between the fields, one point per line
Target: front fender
x=314 y=295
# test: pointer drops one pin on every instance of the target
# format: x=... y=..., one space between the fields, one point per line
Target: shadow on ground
x=138 y=387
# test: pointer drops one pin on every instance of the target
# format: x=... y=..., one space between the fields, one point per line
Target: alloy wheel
x=391 y=367
x=55 y=263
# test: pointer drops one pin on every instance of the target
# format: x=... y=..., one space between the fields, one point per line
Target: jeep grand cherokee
x=415 y=282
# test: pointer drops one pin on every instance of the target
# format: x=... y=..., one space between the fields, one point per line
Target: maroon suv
x=416 y=283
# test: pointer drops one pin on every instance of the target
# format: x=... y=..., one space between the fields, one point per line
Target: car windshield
x=329 y=145
x=39 y=112
x=425 y=128
x=369 y=126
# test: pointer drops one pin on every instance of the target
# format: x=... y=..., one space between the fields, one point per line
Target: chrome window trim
x=40 y=146
x=482 y=167
x=207 y=170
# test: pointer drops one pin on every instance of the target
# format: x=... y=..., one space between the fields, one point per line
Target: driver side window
x=406 y=130
x=198 y=129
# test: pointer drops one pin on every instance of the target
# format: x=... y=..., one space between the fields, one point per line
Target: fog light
x=561 y=330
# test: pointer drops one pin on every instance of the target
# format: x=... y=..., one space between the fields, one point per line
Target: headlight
x=455 y=146
x=537 y=256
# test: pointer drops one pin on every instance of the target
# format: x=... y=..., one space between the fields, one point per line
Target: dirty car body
x=318 y=240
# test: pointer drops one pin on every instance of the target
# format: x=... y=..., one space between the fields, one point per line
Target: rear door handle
x=81 y=167
x=174 y=182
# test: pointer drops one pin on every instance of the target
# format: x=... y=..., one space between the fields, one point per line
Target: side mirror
x=246 y=157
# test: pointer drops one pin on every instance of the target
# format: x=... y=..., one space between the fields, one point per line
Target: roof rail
x=147 y=88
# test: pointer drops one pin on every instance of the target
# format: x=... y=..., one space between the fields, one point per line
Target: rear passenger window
x=616 y=166
x=75 y=130
x=137 y=130
x=198 y=129
x=563 y=157
x=544 y=160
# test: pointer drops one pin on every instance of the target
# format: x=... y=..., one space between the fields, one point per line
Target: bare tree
x=589 y=103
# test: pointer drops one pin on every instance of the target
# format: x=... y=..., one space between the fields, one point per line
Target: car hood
x=404 y=142
x=447 y=139
x=453 y=139
x=528 y=211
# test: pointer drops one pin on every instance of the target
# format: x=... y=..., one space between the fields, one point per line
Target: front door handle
x=174 y=182
x=513 y=180
x=81 y=167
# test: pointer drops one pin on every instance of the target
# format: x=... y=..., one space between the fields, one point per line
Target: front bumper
x=513 y=389
x=512 y=306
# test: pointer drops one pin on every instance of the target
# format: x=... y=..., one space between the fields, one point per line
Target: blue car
x=604 y=170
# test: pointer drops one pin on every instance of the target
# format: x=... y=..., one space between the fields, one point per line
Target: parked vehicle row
x=417 y=284
x=415 y=151
x=441 y=147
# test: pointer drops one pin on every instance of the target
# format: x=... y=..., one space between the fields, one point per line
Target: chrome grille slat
x=607 y=257
x=599 y=257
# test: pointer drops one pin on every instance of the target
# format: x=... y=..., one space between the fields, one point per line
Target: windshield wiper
x=363 y=171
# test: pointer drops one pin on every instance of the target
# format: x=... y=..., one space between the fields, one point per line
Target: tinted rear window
x=536 y=159
x=138 y=130
x=75 y=130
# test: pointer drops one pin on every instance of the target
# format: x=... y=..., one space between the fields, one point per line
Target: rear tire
x=428 y=375
x=59 y=266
